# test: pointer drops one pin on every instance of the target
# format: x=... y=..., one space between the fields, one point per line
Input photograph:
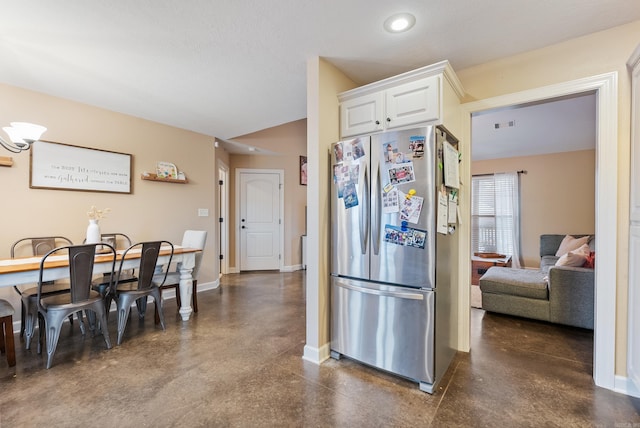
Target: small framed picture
x=303 y=170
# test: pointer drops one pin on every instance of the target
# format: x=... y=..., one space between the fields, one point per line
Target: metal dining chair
x=119 y=241
x=53 y=309
x=37 y=246
x=138 y=291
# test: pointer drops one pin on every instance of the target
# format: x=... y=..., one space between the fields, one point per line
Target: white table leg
x=186 y=285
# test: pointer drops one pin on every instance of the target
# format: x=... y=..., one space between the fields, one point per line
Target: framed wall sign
x=303 y=170
x=65 y=167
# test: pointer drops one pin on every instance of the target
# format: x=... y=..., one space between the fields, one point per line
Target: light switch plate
x=203 y=212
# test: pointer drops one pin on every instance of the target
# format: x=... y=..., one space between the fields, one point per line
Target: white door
x=259 y=221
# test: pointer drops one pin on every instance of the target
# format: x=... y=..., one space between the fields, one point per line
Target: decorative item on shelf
x=166 y=170
x=6 y=161
x=22 y=135
x=93 y=230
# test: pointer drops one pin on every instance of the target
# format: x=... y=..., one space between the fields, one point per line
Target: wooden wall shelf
x=153 y=177
x=6 y=161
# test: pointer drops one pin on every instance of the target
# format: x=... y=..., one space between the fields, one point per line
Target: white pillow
x=573 y=258
x=584 y=250
x=569 y=243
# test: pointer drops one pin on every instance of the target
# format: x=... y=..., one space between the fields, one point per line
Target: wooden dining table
x=26 y=270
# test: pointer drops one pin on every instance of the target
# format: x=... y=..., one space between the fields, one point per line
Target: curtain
x=507 y=215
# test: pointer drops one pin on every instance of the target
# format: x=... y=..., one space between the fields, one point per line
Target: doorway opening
x=520 y=154
x=606 y=88
x=223 y=217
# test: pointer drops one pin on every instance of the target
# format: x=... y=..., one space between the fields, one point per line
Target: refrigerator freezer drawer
x=387 y=327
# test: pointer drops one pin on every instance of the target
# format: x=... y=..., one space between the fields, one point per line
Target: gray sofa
x=559 y=294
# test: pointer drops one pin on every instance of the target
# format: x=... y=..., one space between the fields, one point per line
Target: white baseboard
x=316 y=355
x=624 y=385
x=291 y=268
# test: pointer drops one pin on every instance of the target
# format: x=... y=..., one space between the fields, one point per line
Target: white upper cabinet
x=413 y=102
x=362 y=115
x=412 y=98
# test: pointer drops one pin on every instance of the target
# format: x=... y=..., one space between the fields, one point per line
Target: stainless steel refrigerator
x=393 y=304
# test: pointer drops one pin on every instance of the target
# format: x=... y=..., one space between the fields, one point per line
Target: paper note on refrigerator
x=451 y=167
x=453 y=206
x=442 y=217
x=390 y=201
x=411 y=208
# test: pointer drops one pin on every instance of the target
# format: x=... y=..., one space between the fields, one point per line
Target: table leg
x=185 y=289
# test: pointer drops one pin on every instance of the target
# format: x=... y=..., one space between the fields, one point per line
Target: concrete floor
x=237 y=363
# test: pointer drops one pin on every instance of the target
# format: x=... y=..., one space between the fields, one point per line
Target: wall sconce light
x=22 y=135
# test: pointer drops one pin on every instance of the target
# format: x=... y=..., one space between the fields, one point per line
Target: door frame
x=223 y=212
x=606 y=88
x=280 y=172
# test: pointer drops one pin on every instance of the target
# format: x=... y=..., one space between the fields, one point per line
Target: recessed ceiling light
x=399 y=22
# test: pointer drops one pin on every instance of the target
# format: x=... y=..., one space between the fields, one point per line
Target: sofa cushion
x=546 y=262
x=569 y=243
x=515 y=282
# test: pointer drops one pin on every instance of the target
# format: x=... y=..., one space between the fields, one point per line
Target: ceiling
x=560 y=125
x=226 y=68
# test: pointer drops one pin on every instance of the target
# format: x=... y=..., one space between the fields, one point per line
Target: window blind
x=492 y=214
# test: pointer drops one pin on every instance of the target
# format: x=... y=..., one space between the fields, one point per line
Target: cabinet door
x=414 y=102
x=361 y=115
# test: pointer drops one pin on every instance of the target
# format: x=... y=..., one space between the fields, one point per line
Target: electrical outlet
x=203 y=212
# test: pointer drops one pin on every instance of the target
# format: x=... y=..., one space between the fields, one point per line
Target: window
x=495 y=214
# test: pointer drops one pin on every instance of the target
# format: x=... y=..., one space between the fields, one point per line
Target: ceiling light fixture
x=399 y=22
x=22 y=135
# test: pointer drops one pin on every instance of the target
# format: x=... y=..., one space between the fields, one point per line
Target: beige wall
x=590 y=55
x=324 y=82
x=557 y=195
x=154 y=210
x=289 y=142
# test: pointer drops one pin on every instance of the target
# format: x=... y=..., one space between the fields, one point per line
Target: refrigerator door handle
x=377 y=197
x=364 y=213
x=387 y=293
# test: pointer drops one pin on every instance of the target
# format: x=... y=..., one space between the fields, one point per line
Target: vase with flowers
x=93 y=230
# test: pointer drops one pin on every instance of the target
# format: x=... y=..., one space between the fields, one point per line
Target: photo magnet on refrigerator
x=350 y=195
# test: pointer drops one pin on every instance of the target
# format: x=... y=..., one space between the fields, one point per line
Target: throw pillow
x=584 y=250
x=591 y=261
x=569 y=243
x=572 y=258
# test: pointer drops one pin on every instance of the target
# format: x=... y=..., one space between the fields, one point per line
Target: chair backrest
x=81 y=261
x=195 y=239
x=116 y=240
x=148 y=259
x=37 y=246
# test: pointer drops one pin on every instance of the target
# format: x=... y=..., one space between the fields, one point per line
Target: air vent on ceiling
x=509 y=124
